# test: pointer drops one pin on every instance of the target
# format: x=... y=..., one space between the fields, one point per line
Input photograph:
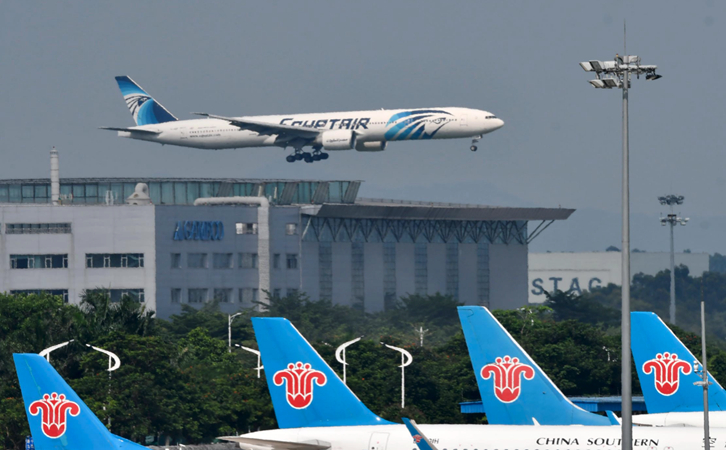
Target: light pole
x=256 y=352
x=46 y=352
x=229 y=330
x=672 y=219
x=340 y=355
x=704 y=377
x=404 y=354
x=617 y=74
x=114 y=362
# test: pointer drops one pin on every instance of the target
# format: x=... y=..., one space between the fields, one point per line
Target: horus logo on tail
x=667 y=369
x=507 y=373
x=53 y=409
x=298 y=379
x=134 y=102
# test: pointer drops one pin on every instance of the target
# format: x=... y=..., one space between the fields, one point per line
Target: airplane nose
x=498 y=123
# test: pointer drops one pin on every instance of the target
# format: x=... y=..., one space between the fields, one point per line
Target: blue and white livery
x=513 y=388
x=364 y=131
x=667 y=377
x=58 y=418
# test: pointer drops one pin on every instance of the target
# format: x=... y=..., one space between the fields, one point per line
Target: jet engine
x=372 y=146
x=338 y=140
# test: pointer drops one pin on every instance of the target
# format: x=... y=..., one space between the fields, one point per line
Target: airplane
x=666 y=371
x=59 y=419
x=364 y=131
x=513 y=388
x=317 y=411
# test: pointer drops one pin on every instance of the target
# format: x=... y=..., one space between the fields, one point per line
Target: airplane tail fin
x=514 y=390
x=144 y=109
x=58 y=418
x=665 y=369
x=305 y=391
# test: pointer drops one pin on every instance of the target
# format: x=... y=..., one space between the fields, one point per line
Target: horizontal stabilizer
x=262 y=444
x=130 y=130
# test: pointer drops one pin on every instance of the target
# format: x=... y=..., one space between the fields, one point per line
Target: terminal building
x=171 y=241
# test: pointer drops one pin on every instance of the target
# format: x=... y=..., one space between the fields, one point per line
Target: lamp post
x=113 y=363
x=229 y=330
x=46 y=352
x=704 y=378
x=618 y=74
x=340 y=355
x=672 y=219
x=256 y=352
x=404 y=354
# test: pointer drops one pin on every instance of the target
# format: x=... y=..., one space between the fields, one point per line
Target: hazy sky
x=561 y=144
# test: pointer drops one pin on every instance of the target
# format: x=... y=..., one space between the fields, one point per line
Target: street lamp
x=229 y=330
x=256 y=352
x=46 y=352
x=404 y=354
x=672 y=219
x=617 y=74
x=340 y=355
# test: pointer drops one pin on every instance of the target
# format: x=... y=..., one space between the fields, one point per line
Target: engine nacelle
x=372 y=146
x=338 y=140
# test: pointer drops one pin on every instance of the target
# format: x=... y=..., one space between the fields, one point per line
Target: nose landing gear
x=474 y=140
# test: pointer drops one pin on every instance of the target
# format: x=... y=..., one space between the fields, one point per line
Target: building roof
x=435 y=211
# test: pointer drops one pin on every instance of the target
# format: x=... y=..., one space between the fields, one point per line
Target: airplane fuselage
x=501 y=437
x=369 y=126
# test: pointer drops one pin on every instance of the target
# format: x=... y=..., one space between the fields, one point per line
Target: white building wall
x=577 y=272
x=94 y=229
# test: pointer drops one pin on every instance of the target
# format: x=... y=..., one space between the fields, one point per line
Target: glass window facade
x=223 y=295
x=222 y=260
x=482 y=273
x=197 y=261
x=325 y=260
x=117 y=294
x=452 y=269
x=114 y=260
x=39 y=261
x=291 y=260
x=176 y=261
x=176 y=295
x=357 y=276
x=170 y=192
x=389 y=275
x=421 y=274
x=197 y=295
x=55 y=292
x=37 y=228
x=247 y=261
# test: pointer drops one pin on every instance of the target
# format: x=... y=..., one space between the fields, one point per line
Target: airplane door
x=378 y=441
x=464 y=120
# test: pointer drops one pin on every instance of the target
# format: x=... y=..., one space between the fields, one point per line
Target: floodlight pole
x=672 y=219
x=229 y=331
x=705 y=382
x=626 y=373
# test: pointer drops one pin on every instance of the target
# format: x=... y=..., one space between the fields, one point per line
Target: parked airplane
x=316 y=411
x=59 y=419
x=364 y=131
x=667 y=376
x=513 y=388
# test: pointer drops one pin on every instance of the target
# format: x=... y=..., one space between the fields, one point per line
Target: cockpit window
x=490 y=117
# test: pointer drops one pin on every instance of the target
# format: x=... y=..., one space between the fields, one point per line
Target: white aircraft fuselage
x=501 y=437
x=690 y=419
x=371 y=129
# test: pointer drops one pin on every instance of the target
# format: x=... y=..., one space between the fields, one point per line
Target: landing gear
x=474 y=140
x=299 y=155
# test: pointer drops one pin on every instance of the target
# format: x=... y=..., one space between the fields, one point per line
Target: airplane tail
x=58 y=418
x=305 y=391
x=665 y=369
x=144 y=109
x=514 y=390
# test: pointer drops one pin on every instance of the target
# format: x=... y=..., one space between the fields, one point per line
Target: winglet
x=421 y=440
x=615 y=420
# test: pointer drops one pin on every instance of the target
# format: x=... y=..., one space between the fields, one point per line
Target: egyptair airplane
x=364 y=131
x=666 y=371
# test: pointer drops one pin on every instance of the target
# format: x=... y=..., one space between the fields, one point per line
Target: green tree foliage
x=178 y=378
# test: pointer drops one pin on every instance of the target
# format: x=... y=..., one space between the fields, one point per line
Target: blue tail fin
x=304 y=389
x=665 y=369
x=144 y=109
x=58 y=418
x=513 y=388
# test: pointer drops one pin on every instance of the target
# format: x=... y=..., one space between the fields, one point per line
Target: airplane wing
x=262 y=444
x=130 y=130
x=267 y=128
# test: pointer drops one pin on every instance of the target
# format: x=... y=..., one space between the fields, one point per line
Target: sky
x=560 y=146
